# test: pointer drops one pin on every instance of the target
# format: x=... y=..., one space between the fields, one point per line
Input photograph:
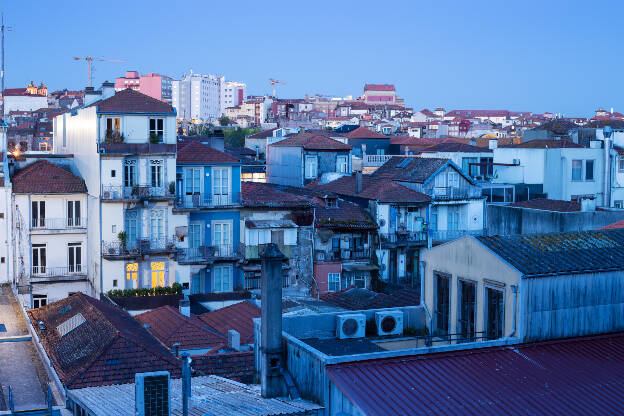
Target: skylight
x=71 y=324
x=404 y=162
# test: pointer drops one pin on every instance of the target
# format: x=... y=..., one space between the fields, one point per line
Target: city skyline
x=517 y=57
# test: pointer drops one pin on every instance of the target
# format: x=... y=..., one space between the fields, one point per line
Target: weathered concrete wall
x=505 y=220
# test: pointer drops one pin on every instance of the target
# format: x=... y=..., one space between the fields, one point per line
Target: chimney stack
x=108 y=89
x=271 y=322
x=185 y=307
x=234 y=340
x=186 y=383
x=358 y=182
x=472 y=142
x=493 y=144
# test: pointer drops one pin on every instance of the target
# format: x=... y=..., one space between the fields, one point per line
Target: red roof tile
x=379 y=87
x=44 y=177
x=360 y=299
x=262 y=134
x=238 y=366
x=313 y=141
x=615 y=225
x=571 y=376
x=238 y=317
x=130 y=101
x=195 y=152
x=382 y=189
x=548 y=205
x=169 y=326
x=256 y=194
x=364 y=133
x=455 y=147
x=109 y=347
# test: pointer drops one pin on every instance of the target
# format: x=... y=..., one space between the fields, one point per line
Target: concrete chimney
x=186 y=383
x=185 y=307
x=108 y=89
x=91 y=95
x=493 y=144
x=234 y=340
x=271 y=322
x=358 y=182
x=363 y=150
x=588 y=204
x=472 y=142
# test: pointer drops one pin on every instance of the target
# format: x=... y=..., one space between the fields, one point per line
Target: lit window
x=132 y=271
x=158 y=273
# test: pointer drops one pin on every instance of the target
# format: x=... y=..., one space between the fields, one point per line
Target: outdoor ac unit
x=350 y=326
x=389 y=323
x=516 y=161
x=107 y=195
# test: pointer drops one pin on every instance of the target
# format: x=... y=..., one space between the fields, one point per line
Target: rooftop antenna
x=3 y=29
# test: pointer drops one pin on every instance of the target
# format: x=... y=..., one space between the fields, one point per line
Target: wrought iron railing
x=119 y=193
x=58 y=223
x=205 y=253
x=404 y=237
x=447 y=235
x=207 y=200
x=137 y=247
x=55 y=271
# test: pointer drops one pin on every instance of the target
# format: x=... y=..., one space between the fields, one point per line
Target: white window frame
x=311 y=167
x=219 y=286
x=39 y=300
x=76 y=266
x=342 y=164
x=333 y=282
x=223 y=246
x=157 y=130
x=580 y=170
x=193 y=181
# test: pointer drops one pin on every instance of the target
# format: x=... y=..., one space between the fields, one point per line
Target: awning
x=359 y=267
x=270 y=224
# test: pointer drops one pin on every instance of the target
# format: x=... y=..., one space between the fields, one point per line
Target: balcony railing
x=58 y=223
x=447 y=235
x=252 y=252
x=205 y=253
x=136 y=192
x=137 y=148
x=255 y=282
x=63 y=271
x=359 y=254
x=207 y=201
x=446 y=193
x=404 y=237
x=375 y=160
x=137 y=247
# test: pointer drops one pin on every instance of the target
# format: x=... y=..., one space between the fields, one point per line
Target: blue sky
x=559 y=56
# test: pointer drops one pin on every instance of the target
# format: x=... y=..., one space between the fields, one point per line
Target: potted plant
x=122 y=237
x=154 y=138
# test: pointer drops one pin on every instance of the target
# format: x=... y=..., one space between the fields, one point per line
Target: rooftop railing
x=207 y=200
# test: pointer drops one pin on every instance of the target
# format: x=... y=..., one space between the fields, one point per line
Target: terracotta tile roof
x=256 y=194
x=548 y=205
x=313 y=141
x=379 y=87
x=409 y=169
x=359 y=299
x=169 y=325
x=18 y=91
x=615 y=225
x=262 y=134
x=238 y=366
x=378 y=189
x=238 y=317
x=195 y=152
x=108 y=347
x=550 y=144
x=130 y=101
x=455 y=147
x=44 y=177
x=364 y=133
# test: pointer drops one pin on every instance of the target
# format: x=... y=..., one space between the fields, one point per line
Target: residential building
x=151 y=84
x=197 y=97
x=208 y=195
x=305 y=157
x=25 y=99
x=525 y=286
x=232 y=94
x=249 y=113
x=124 y=146
x=476 y=162
x=50 y=249
x=379 y=94
x=367 y=142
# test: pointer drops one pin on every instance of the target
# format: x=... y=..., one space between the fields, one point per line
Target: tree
x=225 y=121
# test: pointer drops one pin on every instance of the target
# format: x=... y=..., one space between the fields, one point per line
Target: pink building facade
x=155 y=85
x=379 y=94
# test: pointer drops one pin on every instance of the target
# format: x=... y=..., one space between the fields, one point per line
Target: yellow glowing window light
x=132 y=271
x=158 y=273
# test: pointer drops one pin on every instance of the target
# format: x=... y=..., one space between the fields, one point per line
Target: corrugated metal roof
x=210 y=395
x=575 y=376
x=270 y=224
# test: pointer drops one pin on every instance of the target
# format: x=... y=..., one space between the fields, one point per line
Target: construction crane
x=274 y=83
x=90 y=60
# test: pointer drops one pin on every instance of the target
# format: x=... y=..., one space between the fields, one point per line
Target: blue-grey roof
x=560 y=253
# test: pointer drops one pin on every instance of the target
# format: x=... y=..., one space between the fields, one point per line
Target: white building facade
x=198 y=97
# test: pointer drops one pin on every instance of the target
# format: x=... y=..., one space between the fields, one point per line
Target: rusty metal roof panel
x=573 y=376
x=561 y=253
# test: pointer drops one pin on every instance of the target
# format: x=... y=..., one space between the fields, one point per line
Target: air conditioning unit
x=350 y=325
x=516 y=162
x=106 y=195
x=389 y=323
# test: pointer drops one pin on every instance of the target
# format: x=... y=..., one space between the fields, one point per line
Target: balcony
x=375 y=160
x=50 y=274
x=359 y=254
x=137 y=148
x=134 y=193
x=252 y=252
x=75 y=224
x=198 y=201
x=138 y=247
x=253 y=281
x=454 y=193
x=206 y=254
x=403 y=238
x=440 y=236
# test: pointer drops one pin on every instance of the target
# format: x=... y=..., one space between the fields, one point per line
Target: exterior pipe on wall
x=514 y=289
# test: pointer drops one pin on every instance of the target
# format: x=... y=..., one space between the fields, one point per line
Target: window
x=158 y=273
x=453 y=180
x=130 y=178
x=621 y=164
x=156 y=128
x=433 y=220
x=618 y=203
x=113 y=127
x=311 y=167
x=114 y=282
x=494 y=313
x=38 y=258
x=577 y=170
x=442 y=304
x=487 y=170
x=589 y=170
x=74 y=257
x=468 y=167
x=342 y=164
x=132 y=275
x=452 y=217
x=222 y=279
x=467 y=309
x=192 y=181
x=157 y=226
x=221 y=238
x=2 y=259
x=38 y=214
x=39 y=301
x=333 y=281
x=73 y=213
x=156 y=171
x=220 y=185
x=113 y=173
x=195 y=235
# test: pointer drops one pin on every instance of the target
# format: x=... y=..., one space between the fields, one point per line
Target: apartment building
x=155 y=85
x=232 y=94
x=124 y=146
x=198 y=97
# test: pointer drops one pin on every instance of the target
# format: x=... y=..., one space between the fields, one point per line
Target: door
x=38 y=214
x=222 y=279
x=220 y=186
x=130 y=178
x=467 y=308
x=158 y=273
x=195 y=240
x=442 y=304
x=74 y=258
x=73 y=213
x=192 y=187
x=494 y=314
x=157 y=232
x=132 y=235
x=221 y=238
x=38 y=259
x=393 y=266
x=156 y=173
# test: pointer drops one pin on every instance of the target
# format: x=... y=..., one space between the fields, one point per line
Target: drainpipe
x=99 y=201
x=514 y=289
